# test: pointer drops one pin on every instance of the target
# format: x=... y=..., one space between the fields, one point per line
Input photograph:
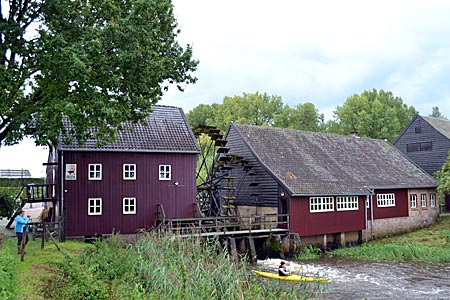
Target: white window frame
x=321 y=204
x=423 y=200
x=96 y=205
x=96 y=173
x=386 y=200
x=413 y=200
x=347 y=203
x=432 y=200
x=129 y=171
x=165 y=172
x=131 y=207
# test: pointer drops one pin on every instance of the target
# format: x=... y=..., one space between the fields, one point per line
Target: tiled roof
x=310 y=163
x=166 y=130
x=441 y=125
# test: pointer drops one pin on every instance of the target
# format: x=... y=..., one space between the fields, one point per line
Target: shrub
x=8 y=286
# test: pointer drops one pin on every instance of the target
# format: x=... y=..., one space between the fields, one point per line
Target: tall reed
x=163 y=267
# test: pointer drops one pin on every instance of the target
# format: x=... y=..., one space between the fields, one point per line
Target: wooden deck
x=230 y=226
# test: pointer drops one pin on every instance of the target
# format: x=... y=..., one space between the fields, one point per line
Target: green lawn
x=37 y=267
x=430 y=244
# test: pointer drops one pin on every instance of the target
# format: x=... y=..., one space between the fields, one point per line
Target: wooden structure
x=118 y=187
x=324 y=183
x=426 y=141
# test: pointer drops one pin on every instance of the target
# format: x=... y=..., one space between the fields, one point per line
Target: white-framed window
x=129 y=205
x=95 y=172
x=165 y=172
x=94 y=206
x=385 y=200
x=347 y=203
x=432 y=200
x=129 y=171
x=413 y=200
x=321 y=204
x=423 y=200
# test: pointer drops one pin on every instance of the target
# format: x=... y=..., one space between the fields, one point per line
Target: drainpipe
x=62 y=184
x=372 y=231
x=365 y=215
x=370 y=196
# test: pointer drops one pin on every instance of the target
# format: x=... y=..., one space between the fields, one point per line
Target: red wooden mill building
x=120 y=186
x=325 y=181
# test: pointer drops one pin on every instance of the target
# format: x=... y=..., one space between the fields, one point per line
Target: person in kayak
x=282 y=269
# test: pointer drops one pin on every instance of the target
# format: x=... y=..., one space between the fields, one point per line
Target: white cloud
x=318 y=51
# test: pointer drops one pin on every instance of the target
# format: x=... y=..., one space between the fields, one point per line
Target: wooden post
x=43 y=235
x=54 y=242
x=22 y=245
x=251 y=244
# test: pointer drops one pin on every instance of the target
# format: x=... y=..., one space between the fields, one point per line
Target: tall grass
x=8 y=277
x=162 y=267
x=397 y=252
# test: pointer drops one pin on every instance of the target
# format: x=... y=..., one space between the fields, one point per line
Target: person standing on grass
x=21 y=221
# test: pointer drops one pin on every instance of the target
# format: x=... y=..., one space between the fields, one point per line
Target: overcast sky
x=306 y=51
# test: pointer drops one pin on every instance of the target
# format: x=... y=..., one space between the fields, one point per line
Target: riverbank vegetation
x=155 y=267
x=430 y=244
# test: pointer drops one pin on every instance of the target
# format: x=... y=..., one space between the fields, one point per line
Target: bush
x=7 y=201
x=8 y=286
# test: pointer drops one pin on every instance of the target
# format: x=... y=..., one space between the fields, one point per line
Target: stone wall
x=418 y=218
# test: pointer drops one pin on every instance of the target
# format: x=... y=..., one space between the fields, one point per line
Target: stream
x=373 y=280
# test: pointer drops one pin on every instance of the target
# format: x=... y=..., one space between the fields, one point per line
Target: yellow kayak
x=291 y=277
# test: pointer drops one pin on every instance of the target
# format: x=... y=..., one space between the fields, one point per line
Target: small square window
x=165 y=172
x=413 y=200
x=94 y=206
x=129 y=205
x=432 y=200
x=129 y=171
x=418 y=129
x=423 y=200
x=413 y=147
x=95 y=172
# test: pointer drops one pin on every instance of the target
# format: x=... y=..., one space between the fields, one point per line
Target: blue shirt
x=20 y=222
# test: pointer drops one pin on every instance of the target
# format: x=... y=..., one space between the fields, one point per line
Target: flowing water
x=374 y=280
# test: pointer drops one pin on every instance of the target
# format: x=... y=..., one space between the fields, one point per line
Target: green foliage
x=257 y=109
x=160 y=267
x=374 y=114
x=395 y=252
x=99 y=63
x=436 y=113
x=8 y=277
x=443 y=177
x=7 y=201
x=302 y=117
x=309 y=252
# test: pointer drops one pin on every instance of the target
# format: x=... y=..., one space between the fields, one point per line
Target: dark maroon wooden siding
x=177 y=200
x=399 y=210
x=307 y=224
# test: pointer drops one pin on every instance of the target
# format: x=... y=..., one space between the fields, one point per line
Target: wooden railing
x=40 y=192
x=225 y=224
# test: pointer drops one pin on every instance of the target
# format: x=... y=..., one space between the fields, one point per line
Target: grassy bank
x=26 y=279
x=431 y=244
x=157 y=267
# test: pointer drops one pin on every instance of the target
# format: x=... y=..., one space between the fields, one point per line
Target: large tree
x=253 y=109
x=375 y=114
x=437 y=113
x=97 y=63
x=302 y=117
